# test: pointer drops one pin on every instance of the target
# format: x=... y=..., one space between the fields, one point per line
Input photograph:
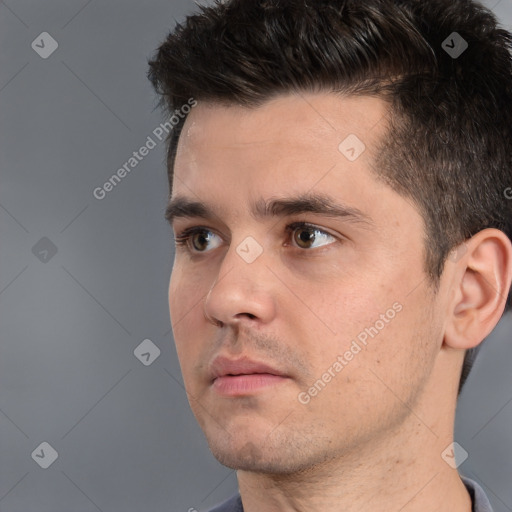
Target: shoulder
x=479 y=498
x=233 y=504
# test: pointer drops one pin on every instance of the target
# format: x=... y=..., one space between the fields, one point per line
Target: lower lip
x=238 y=385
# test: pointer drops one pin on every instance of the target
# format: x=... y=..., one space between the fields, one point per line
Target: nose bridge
x=243 y=284
x=244 y=264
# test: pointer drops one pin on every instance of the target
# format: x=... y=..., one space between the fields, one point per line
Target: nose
x=243 y=291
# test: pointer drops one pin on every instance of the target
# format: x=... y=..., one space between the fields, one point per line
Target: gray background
x=70 y=322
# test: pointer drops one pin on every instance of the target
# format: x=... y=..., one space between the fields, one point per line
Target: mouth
x=243 y=376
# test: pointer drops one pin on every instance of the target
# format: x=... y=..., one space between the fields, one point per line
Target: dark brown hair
x=448 y=147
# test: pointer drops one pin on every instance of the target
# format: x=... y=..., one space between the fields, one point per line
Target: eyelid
x=303 y=224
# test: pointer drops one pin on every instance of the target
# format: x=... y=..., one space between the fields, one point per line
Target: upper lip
x=222 y=366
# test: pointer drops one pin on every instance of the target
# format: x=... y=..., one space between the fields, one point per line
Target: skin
x=372 y=438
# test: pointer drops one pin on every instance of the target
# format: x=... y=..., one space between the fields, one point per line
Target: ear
x=480 y=284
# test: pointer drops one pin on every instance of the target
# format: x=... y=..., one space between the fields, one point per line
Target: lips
x=243 y=376
x=223 y=366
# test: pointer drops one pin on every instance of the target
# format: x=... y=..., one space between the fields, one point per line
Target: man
x=339 y=199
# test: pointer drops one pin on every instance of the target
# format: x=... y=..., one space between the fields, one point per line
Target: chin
x=246 y=457
x=282 y=455
x=269 y=460
x=251 y=458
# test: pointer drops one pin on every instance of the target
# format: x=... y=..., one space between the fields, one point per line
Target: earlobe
x=481 y=283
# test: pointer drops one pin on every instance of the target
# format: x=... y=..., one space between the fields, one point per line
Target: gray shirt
x=478 y=497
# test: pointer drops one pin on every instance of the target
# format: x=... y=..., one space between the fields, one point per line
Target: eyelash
x=184 y=237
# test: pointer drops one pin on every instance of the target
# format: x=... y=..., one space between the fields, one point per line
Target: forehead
x=298 y=137
x=294 y=119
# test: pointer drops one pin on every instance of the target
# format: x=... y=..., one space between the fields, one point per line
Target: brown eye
x=304 y=236
x=200 y=240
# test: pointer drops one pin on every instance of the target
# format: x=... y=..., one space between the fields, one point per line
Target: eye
x=200 y=239
x=197 y=239
x=306 y=235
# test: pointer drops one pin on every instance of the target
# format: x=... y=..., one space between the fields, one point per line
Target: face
x=299 y=303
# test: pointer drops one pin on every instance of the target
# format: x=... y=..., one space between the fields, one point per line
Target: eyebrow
x=320 y=204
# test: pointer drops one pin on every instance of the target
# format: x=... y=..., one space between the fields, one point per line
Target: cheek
x=187 y=290
x=367 y=365
x=175 y=293
x=370 y=327
x=333 y=340
x=398 y=347
x=186 y=313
